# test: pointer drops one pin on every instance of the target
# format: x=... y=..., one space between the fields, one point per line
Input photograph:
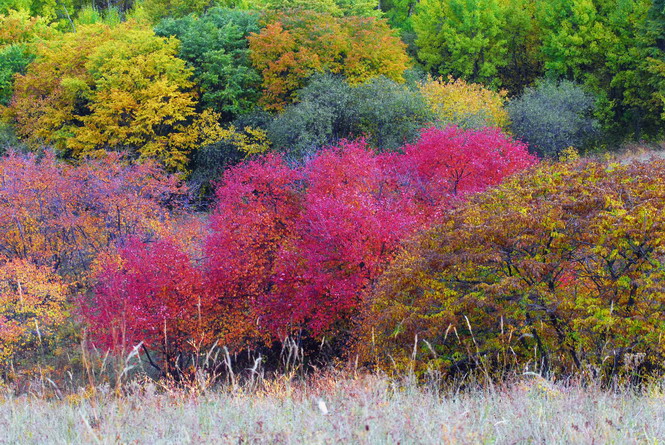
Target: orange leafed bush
x=58 y=215
x=32 y=308
x=293 y=47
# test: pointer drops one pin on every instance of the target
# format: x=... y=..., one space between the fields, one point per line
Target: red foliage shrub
x=300 y=245
x=294 y=248
x=147 y=292
x=252 y=226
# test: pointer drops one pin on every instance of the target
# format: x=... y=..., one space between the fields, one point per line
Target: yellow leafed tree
x=112 y=88
x=468 y=105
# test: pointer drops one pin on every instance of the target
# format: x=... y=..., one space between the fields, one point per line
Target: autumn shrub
x=558 y=270
x=62 y=216
x=215 y=46
x=293 y=47
x=553 y=116
x=328 y=110
x=18 y=26
x=33 y=308
x=120 y=88
x=290 y=249
x=147 y=293
x=257 y=206
x=300 y=245
x=59 y=225
x=466 y=105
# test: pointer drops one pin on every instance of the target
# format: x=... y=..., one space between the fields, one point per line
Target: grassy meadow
x=339 y=409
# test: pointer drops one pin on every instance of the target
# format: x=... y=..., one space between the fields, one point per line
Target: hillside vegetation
x=430 y=188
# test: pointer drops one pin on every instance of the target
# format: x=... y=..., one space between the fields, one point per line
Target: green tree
x=13 y=60
x=50 y=9
x=608 y=46
x=553 y=116
x=523 y=39
x=337 y=8
x=655 y=29
x=573 y=38
x=159 y=9
x=462 y=38
x=215 y=46
x=388 y=114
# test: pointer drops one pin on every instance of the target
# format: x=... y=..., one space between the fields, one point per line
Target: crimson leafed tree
x=150 y=293
x=300 y=245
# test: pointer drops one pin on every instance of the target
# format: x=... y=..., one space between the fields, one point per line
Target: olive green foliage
x=559 y=271
x=336 y=8
x=523 y=63
x=655 y=31
x=90 y=15
x=554 y=116
x=388 y=114
x=9 y=140
x=51 y=9
x=215 y=46
x=208 y=165
x=391 y=114
x=159 y=9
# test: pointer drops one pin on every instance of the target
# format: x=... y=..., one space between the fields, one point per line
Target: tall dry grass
x=337 y=408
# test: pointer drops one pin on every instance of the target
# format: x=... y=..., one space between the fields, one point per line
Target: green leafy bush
x=13 y=59
x=215 y=46
x=388 y=114
x=554 y=116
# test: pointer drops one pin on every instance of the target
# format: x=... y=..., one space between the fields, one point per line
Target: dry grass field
x=365 y=410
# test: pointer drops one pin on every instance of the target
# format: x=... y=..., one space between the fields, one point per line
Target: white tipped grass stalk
x=229 y=368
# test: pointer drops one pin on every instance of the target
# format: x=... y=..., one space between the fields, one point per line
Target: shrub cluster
x=558 y=270
x=554 y=116
x=292 y=249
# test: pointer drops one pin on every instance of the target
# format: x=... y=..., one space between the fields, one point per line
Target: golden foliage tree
x=105 y=88
x=559 y=269
x=467 y=105
x=32 y=308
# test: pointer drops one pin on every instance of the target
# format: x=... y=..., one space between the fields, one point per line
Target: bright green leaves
x=462 y=38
